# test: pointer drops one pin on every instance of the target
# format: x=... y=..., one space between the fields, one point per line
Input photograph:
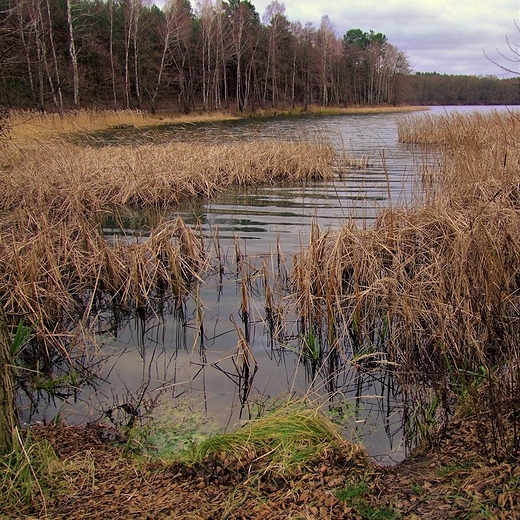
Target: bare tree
x=111 y=51
x=209 y=47
x=509 y=61
x=304 y=63
x=220 y=81
x=178 y=31
x=166 y=33
x=132 y=10
x=57 y=93
x=242 y=20
x=395 y=66
x=326 y=38
x=73 y=56
x=274 y=19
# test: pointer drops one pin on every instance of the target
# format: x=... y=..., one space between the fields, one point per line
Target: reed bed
x=457 y=128
x=56 y=172
x=35 y=124
x=64 y=262
x=434 y=291
x=62 y=277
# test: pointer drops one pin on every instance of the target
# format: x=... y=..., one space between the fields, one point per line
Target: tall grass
x=436 y=288
x=27 y=475
x=58 y=173
x=35 y=124
x=58 y=273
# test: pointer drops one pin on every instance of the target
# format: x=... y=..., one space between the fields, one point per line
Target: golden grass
x=57 y=173
x=434 y=289
x=57 y=269
x=34 y=124
x=456 y=128
x=333 y=111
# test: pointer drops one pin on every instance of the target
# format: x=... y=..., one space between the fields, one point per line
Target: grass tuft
x=27 y=476
x=292 y=435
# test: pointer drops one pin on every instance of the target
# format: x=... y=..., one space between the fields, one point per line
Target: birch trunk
x=73 y=57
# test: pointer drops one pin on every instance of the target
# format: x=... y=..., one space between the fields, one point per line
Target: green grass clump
x=291 y=435
x=27 y=476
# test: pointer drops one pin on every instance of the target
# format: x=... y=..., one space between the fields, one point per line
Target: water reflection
x=235 y=345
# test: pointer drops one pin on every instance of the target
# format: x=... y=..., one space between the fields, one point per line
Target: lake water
x=189 y=357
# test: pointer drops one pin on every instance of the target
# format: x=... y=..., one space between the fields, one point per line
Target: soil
x=104 y=481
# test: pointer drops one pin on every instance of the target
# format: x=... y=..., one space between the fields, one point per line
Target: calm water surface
x=188 y=355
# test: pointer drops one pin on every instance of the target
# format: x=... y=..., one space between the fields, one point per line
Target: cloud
x=445 y=36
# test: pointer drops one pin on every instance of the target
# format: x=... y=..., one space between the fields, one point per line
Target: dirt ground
x=102 y=481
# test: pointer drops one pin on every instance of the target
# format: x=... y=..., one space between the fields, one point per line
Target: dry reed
x=57 y=269
x=161 y=175
x=34 y=124
x=436 y=288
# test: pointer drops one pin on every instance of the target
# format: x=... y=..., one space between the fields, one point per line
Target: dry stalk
x=58 y=270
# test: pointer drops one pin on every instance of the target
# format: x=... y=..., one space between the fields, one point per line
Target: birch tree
x=111 y=51
x=56 y=92
x=243 y=19
x=73 y=57
x=326 y=38
x=275 y=21
x=209 y=48
x=132 y=11
x=179 y=23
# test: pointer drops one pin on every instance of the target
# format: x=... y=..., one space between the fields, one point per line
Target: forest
x=59 y=54
x=215 y=55
x=444 y=89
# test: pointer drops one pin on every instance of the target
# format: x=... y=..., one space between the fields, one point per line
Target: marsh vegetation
x=427 y=294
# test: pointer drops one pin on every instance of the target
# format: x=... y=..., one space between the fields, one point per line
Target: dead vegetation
x=77 y=472
x=60 y=174
x=434 y=290
x=431 y=292
x=37 y=125
x=60 y=273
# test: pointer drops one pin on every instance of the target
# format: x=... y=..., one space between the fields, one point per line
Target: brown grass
x=334 y=110
x=58 y=270
x=433 y=290
x=436 y=288
x=34 y=124
x=57 y=173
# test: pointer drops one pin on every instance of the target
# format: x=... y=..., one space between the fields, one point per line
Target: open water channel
x=188 y=356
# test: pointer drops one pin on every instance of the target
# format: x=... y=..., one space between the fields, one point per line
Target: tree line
x=58 y=54
x=443 y=89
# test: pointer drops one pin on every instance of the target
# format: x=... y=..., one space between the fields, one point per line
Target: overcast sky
x=445 y=36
